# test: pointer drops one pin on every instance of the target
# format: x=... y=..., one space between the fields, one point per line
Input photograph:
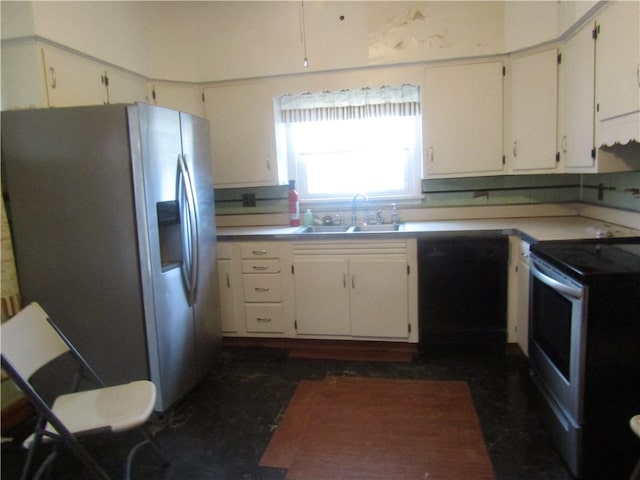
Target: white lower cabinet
x=262 y=284
x=228 y=262
x=519 y=294
x=352 y=289
x=322 y=296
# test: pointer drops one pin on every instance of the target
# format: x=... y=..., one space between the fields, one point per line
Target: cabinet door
x=322 y=297
x=73 y=80
x=462 y=119
x=618 y=71
x=242 y=134
x=379 y=297
x=578 y=72
x=534 y=111
x=126 y=88
x=178 y=96
x=228 y=296
x=22 y=76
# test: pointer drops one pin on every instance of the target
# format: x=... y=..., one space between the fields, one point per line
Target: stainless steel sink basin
x=325 y=229
x=387 y=227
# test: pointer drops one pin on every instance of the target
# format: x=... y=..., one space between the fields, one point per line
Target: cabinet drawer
x=262 y=288
x=260 y=250
x=261 y=266
x=264 y=318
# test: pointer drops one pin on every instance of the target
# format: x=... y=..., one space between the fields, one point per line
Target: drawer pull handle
x=259 y=252
x=263 y=320
x=228 y=281
x=259 y=267
x=261 y=289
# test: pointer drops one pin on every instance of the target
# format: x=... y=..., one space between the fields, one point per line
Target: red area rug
x=372 y=428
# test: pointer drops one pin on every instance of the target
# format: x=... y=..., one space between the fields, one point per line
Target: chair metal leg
x=45 y=467
x=86 y=458
x=155 y=446
x=148 y=439
x=40 y=424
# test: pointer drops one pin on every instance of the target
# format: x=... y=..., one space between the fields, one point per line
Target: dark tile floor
x=222 y=428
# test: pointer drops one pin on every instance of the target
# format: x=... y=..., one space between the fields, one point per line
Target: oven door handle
x=555 y=284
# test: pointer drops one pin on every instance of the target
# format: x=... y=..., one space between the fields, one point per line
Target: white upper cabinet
x=184 y=97
x=534 y=105
x=577 y=105
x=462 y=119
x=618 y=73
x=72 y=80
x=242 y=134
x=125 y=87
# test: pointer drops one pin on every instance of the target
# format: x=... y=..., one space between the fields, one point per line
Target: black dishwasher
x=462 y=294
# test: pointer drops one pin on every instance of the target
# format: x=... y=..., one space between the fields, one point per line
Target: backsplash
x=614 y=190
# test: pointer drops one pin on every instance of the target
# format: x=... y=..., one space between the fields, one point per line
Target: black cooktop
x=592 y=257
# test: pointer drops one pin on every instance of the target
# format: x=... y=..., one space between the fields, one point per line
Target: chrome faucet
x=354 y=207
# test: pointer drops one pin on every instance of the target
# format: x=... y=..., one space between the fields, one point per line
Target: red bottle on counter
x=294 y=205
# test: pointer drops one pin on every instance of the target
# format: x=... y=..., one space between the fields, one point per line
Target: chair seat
x=112 y=409
x=634 y=423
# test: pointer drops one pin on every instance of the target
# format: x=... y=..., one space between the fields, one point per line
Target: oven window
x=551 y=325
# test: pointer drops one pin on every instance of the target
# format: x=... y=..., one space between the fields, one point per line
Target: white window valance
x=403 y=100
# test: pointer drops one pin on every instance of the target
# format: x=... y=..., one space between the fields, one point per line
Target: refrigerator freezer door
x=68 y=176
x=197 y=154
x=169 y=317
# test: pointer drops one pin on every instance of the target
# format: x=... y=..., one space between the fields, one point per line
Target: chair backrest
x=29 y=341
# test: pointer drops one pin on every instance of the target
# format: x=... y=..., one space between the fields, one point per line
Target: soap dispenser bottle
x=308 y=218
x=395 y=217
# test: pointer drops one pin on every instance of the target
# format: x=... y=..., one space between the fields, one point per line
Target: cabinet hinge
x=595 y=32
x=105 y=80
x=153 y=94
x=593 y=153
x=559 y=58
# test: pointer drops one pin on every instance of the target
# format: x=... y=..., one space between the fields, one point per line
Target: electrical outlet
x=248 y=199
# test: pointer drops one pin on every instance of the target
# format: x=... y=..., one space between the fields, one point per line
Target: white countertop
x=535 y=228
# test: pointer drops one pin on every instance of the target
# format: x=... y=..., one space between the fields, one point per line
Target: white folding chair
x=30 y=340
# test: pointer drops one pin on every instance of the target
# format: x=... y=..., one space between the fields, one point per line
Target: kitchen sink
x=386 y=227
x=349 y=228
x=325 y=229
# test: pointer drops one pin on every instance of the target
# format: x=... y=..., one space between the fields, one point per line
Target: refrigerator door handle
x=186 y=188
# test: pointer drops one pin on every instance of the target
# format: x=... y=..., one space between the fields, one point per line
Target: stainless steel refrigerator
x=113 y=223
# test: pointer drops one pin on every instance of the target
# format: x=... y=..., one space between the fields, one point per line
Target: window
x=340 y=143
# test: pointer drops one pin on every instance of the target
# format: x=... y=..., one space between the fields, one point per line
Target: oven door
x=557 y=329
x=557 y=335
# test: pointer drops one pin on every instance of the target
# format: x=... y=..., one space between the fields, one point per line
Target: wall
x=612 y=190
x=205 y=41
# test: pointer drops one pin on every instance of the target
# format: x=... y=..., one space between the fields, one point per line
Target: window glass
x=373 y=149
